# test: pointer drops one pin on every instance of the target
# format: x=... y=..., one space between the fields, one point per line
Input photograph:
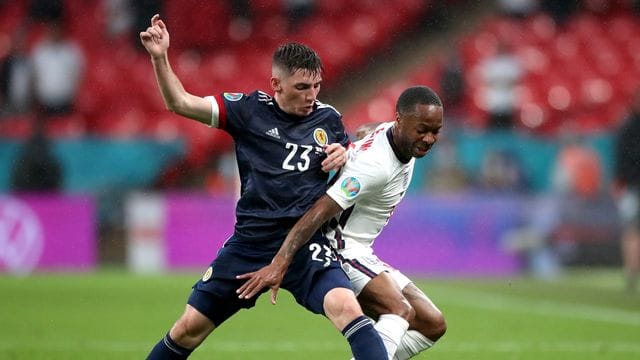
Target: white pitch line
x=543 y=347
x=308 y=346
x=483 y=300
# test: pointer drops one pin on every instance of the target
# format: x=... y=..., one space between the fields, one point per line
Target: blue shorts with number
x=314 y=271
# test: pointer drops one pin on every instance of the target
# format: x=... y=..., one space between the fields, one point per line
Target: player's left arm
x=271 y=275
x=336 y=157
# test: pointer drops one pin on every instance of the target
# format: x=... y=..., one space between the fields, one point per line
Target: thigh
x=214 y=294
x=382 y=295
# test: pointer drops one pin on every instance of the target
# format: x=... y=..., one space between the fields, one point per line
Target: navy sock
x=364 y=340
x=167 y=349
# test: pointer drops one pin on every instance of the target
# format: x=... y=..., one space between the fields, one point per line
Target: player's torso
x=365 y=220
x=279 y=157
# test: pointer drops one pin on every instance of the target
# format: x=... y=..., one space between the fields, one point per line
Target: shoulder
x=326 y=107
x=262 y=97
x=243 y=104
x=374 y=162
x=374 y=142
x=239 y=97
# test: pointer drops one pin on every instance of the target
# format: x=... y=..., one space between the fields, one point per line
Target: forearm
x=299 y=235
x=322 y=210
x=175 y=97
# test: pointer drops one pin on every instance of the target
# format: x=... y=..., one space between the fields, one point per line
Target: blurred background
x=95 y=172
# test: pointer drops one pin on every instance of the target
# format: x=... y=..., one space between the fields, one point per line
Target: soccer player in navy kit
x=285 y=146
x=356 y=208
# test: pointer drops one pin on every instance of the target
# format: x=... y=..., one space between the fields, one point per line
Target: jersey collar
x=291 y=116
x=395 y=149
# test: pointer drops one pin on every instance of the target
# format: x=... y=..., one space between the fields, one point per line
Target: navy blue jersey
x=279 y=159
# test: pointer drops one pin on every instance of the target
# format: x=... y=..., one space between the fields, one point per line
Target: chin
x=420 y=154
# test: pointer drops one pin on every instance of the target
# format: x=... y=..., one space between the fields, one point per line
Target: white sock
x=392 y=328
x=411 y=345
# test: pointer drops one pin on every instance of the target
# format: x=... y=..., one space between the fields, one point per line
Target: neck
x=391 y=135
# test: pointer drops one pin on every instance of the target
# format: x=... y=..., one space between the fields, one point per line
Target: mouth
x=307 y=109
x=422 y=150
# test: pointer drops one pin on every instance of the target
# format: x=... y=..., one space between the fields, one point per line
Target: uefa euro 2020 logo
x=350 y=187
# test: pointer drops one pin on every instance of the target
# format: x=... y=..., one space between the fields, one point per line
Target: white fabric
x=392 y=329
x=364 y=256
x=383 y=181
x=411 y=345
x=215 y=112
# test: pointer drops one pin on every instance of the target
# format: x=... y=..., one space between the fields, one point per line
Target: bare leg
x=426 y=327
x=186 y=334
x=342 y=308
x=191 y=328
x=382 y=299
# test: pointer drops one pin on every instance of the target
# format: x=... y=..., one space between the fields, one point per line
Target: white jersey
x=371 y=184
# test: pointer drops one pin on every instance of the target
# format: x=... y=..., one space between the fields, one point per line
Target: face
x=418 y=131
x=295 y=93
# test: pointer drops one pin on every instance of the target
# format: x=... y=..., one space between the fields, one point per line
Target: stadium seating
x=580 y=75
x=119 y=98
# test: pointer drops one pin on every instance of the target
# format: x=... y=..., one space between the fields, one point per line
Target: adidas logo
x=273 y=133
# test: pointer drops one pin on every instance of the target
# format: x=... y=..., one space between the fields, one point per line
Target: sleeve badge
x=350 y=187
x=233 y=96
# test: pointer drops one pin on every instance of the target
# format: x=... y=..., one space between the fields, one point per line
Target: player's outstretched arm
x=156 y=41
x=271 y=275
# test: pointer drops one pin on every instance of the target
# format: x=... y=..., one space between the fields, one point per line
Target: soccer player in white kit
x=355 y=209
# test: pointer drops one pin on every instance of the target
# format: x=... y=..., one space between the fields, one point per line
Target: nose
x=312 y=94
x=430 y=138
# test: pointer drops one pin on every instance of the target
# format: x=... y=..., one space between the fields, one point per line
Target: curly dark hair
x=416 y=95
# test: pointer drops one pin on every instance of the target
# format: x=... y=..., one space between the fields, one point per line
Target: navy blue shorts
x=314 y=271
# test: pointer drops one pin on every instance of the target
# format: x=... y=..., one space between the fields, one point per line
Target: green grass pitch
x=115 y=315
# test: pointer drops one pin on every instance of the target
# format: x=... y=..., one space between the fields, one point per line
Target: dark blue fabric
x=314 y=271
x=280 y=170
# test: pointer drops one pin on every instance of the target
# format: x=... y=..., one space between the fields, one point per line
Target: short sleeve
x=360 y=176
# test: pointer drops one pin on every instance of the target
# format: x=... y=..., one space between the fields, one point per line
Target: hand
x=270 y=275
x=156 y=38
x=336 y=157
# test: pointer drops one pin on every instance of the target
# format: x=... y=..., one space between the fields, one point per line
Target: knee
x=404 y=310
x=341 y=307
x=431 y=324
x=191 y=329
x=401 y=308
x=437 y=326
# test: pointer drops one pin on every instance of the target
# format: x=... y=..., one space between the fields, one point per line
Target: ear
x=398 y=118
x=276 y=85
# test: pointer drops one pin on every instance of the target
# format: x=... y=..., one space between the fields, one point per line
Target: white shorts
x=362 y=265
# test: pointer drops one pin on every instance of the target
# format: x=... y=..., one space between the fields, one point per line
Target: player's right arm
x=156 y=41
x=272 y=275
